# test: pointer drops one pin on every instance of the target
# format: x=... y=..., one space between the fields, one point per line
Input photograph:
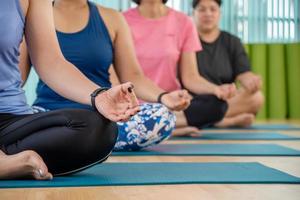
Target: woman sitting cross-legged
x=93 y=38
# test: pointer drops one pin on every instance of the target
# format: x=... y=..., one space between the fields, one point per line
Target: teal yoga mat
x=238 y=136
x=282 y=127
x=213 y=150
x=118 y=174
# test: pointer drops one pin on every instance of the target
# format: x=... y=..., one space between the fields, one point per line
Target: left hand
x=251 y=82
x=119 y=103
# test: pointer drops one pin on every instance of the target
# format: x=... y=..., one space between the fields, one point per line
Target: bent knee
x=218 y=109
x=257 y=101
x=206 y=110
x=100 y=134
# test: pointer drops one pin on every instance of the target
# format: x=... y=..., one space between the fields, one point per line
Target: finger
x=258 y=83
x=248 y=86
x=124 y=117
x=133 y=99
x=114 y=117
x=131 y=112
x=127 y=87
x=187 y=96
x=185 y=106
x=253 y=86
x=182 y=106
x=180 y=93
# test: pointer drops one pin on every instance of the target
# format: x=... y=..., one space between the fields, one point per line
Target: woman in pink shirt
x=166 y=41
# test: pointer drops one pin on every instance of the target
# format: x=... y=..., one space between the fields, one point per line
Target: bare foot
x=23 y=165
x=186 y=131
x=242 y=120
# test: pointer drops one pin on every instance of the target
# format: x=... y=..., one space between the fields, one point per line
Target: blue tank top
x=90 y=50
x=12 y=97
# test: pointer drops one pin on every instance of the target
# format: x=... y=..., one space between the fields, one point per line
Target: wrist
x=160 y=96
x=216 y=90
x=95 y=93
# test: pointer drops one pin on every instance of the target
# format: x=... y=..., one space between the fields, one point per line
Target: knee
x=257 y=101
x=149 y=127
x=103 y=131
x=166 y=117
x=98 y=136
x=156 y=117
x=206 y=110
x=219 y=109
x=163 y=122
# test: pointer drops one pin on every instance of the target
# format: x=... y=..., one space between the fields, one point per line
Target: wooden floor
x=290 y=165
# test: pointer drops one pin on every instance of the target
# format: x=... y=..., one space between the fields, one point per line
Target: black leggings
x=205 y=110
x=68 y=140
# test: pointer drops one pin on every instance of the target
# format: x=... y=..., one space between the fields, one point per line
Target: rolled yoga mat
x=238 y=136
x=277 y=91
x=293 y=80
x=119 y=174
x=258 y=60
x=213 y=150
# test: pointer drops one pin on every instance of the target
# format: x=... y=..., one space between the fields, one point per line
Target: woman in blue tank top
x=93 y=38
x=61 y=141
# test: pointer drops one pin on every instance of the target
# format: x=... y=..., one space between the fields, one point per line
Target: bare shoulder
x=112 y=17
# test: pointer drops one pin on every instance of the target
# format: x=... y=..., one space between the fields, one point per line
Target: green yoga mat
x=238 y=136
x=119 y=174
x=274 y=127
x=213 y=150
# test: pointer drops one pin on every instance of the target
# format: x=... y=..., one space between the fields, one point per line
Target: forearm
x=66 y=80
x=145 y=89
x=199 y=85
x=241 y=77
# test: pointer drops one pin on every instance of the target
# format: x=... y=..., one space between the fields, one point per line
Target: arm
x=116 y=104
x=241 y=65
x=50 y=64
x=194 y=82
x=113 y=78
x=250 y=81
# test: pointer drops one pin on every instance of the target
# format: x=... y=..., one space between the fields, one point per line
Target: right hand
x=225 y=91
x=177 y=100
x=119 y=103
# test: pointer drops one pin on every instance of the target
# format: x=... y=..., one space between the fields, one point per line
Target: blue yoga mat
x=118 y=174
x=285 y=127
x=239 y=136
x=213 y=150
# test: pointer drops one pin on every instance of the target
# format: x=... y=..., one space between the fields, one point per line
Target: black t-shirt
x=223 y=60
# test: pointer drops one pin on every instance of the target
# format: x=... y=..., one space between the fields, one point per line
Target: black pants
x=68 y=140
x=205 y=110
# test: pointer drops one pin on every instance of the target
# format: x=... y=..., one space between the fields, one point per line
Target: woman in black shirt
x=224 y=60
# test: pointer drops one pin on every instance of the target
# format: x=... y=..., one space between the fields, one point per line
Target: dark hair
x=196 y=2
x=139 y=1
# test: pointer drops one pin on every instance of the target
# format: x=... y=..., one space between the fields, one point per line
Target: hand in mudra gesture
x=119 y=103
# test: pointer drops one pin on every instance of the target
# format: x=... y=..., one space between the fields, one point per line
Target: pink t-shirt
x=159 y=44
